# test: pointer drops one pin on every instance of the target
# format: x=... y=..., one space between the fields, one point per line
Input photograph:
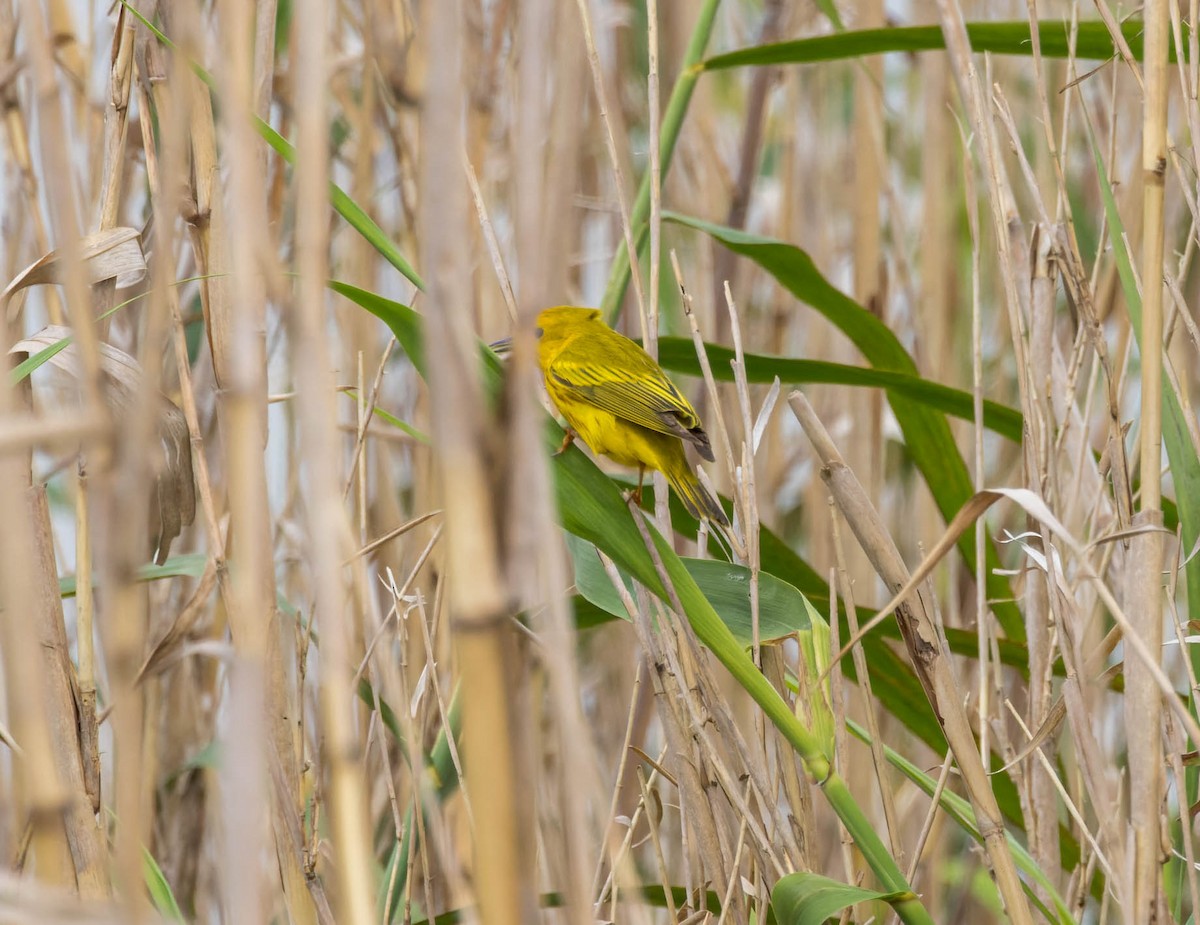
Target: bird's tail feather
x=695 y=497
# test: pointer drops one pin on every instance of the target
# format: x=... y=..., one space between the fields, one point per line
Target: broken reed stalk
x=923 y=639
x=1143 y=699
x=51 y=798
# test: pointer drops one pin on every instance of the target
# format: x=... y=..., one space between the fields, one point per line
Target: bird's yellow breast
x=607 y=435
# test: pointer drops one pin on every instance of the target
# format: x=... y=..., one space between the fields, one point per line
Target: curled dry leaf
x=173 y=502
x=115 y=253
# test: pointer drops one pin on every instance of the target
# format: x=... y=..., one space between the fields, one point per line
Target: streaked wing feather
x=639 y=392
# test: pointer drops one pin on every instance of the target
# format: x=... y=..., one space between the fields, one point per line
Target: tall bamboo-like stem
x=37 y=666
x=1143 y=700
x=477 y=596
x=235 y=312
x=328 y=527
x=537 y=572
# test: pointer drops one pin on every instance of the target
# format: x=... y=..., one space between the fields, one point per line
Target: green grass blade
x=347 y=208
x=1093 y=42
x=678 y=354
x=188 y=565
x=160 y=890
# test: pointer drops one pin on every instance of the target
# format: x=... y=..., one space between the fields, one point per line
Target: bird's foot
x=568 y=439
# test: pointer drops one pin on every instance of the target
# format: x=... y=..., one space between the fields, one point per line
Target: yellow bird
x=621 y=403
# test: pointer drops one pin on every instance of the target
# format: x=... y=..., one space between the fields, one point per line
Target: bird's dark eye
x=538 y=332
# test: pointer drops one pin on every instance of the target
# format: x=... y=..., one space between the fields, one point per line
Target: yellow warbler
x=621 y=403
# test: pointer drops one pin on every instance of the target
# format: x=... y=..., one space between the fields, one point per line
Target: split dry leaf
x=173 y=503
x=115 y=253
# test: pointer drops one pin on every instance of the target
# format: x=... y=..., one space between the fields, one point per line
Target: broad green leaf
x=678 y=354
x=809 y=899
x=782 y=609
x=1093 y=42
x=926 y=432
x=402 y=320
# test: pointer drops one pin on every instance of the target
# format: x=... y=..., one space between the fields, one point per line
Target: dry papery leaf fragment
x=115 y=253
x=173 y=503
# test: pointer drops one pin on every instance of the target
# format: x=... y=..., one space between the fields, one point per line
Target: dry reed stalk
x=67 y=845
x=327 y=524
x=490 y=666
x=862 y=672
x=54 y=144
x=1143 y=593
x=17 y=131
x=923 y=638
x=866 y=141
x=233 y=252
x=537 y=570
x=116 y=113
x=124 y=512
x=64 y=833
x=609 y=124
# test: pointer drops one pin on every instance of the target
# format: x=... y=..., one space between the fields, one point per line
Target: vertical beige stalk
x=537 y=573
x=64 y=220
x=1143 y=703
x=328 y=529
x=124 y=509
x=36 y=650
x=16 y=128
x=868 y=141
x=235 y=314
x=464 y=444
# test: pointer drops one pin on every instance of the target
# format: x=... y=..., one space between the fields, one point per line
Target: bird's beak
x=502 y=348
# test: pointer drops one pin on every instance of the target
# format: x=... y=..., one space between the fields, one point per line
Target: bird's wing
x=635 y=390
